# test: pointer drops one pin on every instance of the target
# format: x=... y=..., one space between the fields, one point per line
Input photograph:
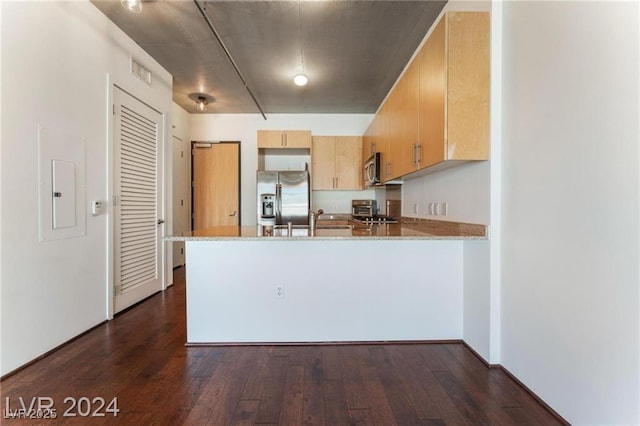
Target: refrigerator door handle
x=278 y=204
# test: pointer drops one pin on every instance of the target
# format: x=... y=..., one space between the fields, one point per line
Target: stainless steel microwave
x=372 y=170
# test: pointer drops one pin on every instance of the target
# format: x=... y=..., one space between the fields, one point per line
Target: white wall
x=465 y=188
x=244 y=127
x=55 y=60
x=570 y=292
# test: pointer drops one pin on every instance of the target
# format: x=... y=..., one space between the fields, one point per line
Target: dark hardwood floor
x=141 y=359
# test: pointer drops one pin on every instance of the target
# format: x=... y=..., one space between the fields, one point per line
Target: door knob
x=235 y=213
x=160 y=221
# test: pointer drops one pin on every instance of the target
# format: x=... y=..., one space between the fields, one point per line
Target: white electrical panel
x=61 y=189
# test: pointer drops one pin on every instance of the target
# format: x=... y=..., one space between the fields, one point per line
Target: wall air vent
x=140 y=71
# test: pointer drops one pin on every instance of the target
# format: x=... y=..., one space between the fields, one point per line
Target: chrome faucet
x=313 y=218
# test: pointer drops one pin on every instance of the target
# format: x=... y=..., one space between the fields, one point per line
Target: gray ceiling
x=353 y=51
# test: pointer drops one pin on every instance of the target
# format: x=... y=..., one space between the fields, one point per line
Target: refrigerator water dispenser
x=268 y=208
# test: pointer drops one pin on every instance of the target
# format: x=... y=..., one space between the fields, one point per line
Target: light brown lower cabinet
x=336 y=162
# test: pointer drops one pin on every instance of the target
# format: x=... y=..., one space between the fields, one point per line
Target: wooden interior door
x=216 y=184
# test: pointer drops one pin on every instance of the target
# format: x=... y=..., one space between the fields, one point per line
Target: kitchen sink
x=304 y=230
x=294 y=227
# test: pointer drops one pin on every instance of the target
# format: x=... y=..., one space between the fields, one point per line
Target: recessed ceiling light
x=300 y=80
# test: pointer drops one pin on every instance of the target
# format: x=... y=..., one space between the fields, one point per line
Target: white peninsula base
x=330 y=291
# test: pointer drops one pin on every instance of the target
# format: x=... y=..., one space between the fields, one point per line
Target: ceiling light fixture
x=300 y=80
x=134 y=6
x=202 y=103
x=201 y=100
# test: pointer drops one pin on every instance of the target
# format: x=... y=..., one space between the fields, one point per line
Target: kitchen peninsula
x=364 y=283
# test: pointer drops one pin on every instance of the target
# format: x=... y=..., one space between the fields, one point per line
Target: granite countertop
x=407 y=229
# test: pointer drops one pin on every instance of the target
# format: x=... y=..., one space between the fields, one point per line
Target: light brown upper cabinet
x=383 y=136
x=336 y=162
x=455 y=89
x=368 y=144
x=438 y=112
x=284 y=139
x=405 y=139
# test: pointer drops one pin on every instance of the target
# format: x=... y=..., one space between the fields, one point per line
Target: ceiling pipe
x=226 y=51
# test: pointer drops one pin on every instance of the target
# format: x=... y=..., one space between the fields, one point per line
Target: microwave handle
x=369 y=173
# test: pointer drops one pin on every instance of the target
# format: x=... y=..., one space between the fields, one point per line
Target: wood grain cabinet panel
x=368 y=144
x=284 y=139
x=348 y=162
x=455 y=89
x=323 y=162
x=384 y=134
x=438 y=112
x=336 y=162
x=405 y=141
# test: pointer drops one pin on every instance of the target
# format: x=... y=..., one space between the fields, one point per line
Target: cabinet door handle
x=337 y=185
x=285 y=139
x=418 y=153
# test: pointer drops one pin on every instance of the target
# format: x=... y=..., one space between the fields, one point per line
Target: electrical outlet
x=436 y=209
x=415 y=208
x=432 y=209
x=445 y=209
x=280 y=291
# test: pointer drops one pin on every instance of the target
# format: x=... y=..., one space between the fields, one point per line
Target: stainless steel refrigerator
x=283 y=196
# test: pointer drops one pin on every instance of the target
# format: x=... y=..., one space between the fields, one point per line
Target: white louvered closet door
x=137 y=201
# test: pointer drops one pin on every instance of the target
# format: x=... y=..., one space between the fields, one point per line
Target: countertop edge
x=408 y=229
x=329 y=238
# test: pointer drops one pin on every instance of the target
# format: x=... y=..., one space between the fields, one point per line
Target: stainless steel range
x=375 y=219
